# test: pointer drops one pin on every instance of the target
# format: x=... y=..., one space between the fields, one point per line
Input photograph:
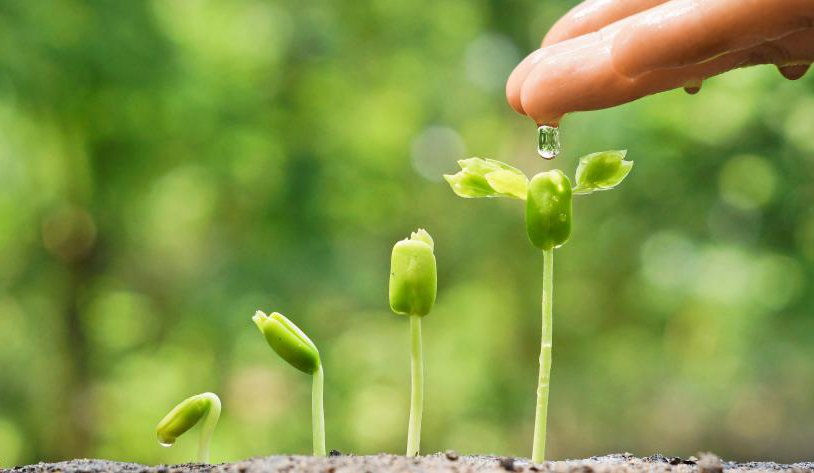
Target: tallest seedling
x=413 y=284
x=548 y=199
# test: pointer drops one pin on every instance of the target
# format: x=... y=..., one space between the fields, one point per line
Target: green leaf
x=487 y=178
x=601 y=171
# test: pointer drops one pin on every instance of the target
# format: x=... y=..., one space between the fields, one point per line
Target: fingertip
x=533 y=99
x=513 y=96
x=514 y=84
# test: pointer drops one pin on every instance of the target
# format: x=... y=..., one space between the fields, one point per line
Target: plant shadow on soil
x=439 y=462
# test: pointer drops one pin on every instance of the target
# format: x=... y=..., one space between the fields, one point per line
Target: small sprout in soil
x=186 y=414
x=548 y=197
x=299 y=351
x=413 y=284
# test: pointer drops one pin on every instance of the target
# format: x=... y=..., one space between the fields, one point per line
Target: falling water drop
x=166 y=444
x=548 y=141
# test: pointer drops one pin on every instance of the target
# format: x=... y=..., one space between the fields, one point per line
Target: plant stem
x=318 y=413
x=209 y=423
x=541 y=415
x=417 y=387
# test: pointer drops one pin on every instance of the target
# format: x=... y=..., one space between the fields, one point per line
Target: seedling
x=413 y=284
x=299 y=351
x=548 y=199
x=186 y=414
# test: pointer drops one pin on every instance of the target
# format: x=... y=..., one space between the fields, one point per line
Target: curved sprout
x=185 y=415
x=294 y=346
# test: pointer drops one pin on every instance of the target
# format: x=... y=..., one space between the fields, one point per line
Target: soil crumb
x=507 y=463
x=710 y=463
x=448 y=462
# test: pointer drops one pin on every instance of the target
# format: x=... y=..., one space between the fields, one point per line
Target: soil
x=449 y=462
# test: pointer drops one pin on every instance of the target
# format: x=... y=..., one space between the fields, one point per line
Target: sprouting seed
x=185 y=415
x=299 y=351
x=413 y=285
x=548 y=197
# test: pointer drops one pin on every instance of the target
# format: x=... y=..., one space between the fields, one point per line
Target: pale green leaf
x=487 y=178
x=601 y=171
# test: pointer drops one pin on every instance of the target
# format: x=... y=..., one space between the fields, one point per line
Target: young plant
x=299 y=351
x=413 y=284
x=186 y=414
x=548 y=197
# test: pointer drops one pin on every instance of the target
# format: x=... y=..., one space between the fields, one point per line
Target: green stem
x=417 y=387
x=209 y=423
x=538 y=449
x=318 y=413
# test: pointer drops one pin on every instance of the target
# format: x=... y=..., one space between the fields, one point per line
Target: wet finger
x=592 y=15
x=684 y=32
x=587 y=17
x=515 y=82
x=579 y=74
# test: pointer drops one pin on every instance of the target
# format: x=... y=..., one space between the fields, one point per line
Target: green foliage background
x=168 y=167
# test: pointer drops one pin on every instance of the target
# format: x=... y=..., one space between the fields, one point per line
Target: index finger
x=593 y=15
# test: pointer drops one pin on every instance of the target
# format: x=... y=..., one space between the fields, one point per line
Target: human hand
x=605 y=53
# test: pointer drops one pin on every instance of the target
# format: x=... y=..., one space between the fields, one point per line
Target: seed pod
x=182 y=417
x=413 y=276
x=288 y=341
x=548 y=209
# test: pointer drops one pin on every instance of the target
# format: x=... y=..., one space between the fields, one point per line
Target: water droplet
x=167 y=444
x=692 y=87
x=548 y=141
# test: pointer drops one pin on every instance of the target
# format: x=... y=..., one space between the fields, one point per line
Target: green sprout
x=548 y=197
x=299 y=351
x=413 y=284
x=185 y=415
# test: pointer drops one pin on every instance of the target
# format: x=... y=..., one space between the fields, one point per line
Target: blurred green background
x=168 y=167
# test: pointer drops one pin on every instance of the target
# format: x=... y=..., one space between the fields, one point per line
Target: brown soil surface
x=448 y=462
